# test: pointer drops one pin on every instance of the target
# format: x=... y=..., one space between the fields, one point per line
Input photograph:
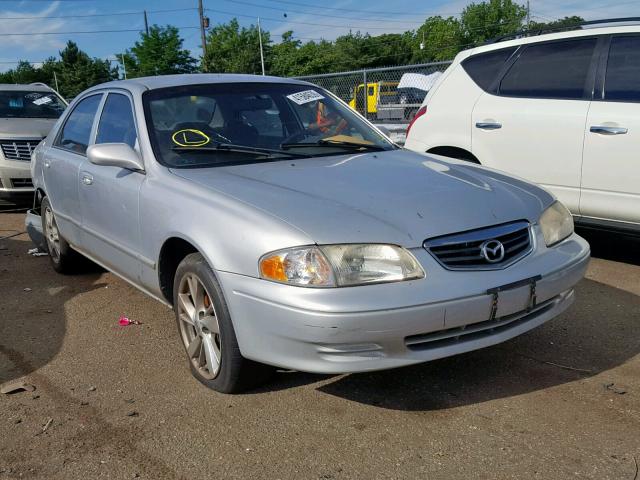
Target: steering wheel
x=203 y=127
x=295 y=137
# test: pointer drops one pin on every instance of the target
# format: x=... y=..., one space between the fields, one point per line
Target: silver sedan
x=286 y=231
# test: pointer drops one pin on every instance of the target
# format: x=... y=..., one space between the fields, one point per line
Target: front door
x=109 y=195
x=611 y=166
x=534 y=126
x=61 y=164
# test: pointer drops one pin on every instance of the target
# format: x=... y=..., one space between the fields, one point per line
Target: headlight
x=556 y=223
x=340 y=265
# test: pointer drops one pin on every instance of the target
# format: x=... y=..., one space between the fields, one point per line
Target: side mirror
x=115 y=155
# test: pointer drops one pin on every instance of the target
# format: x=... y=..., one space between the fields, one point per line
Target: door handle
x=87 y=179
x=604 y=130
x=488 y=125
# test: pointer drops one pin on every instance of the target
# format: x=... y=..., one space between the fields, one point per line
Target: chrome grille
x=18 y=149
x=21 y=182
x=464 y=251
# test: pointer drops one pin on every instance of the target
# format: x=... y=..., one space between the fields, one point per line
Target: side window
x=76 y=132
x=550 y=70
x=622 y=81
x=484 y=67
x=117 y=124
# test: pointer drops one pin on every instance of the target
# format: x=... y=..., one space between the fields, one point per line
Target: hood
x=397 y=197
x=25 y=128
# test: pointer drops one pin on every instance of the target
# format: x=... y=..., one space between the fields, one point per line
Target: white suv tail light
x=418 y=114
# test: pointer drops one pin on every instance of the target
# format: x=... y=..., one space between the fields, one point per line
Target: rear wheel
x=207 y=332
x=63 y=258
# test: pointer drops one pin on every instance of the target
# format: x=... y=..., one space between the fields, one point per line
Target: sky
x=94 y=27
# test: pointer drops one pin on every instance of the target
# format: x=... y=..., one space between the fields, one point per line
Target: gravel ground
x=562 y=401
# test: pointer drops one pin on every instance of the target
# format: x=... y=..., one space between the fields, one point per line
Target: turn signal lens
x=273 y=268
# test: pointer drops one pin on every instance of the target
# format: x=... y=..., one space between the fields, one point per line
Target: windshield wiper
x=334 y=143
x=230 y=147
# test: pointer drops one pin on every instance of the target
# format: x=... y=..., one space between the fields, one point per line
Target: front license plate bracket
x=495 y=293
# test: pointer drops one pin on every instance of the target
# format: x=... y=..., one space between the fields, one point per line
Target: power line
x=4 y=34
x=301 y=4
x=113 y=14
x=279 y=20
x=281 y=9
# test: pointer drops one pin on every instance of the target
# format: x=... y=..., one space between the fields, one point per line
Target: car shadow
x=33 y=323
x=591 y=338
x=612 y=246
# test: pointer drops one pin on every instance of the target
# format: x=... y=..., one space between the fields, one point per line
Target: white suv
x=560 y=109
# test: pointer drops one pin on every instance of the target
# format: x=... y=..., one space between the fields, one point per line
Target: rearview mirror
x=115 y=155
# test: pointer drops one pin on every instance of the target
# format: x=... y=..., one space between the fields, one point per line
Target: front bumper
x=376 y=327
x=15 y=180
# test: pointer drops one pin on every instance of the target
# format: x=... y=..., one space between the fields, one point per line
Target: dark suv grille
x=21 y=182
x=18 y=149
x=504 y=244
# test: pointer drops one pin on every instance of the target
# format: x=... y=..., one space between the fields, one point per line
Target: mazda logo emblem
x=492 y=251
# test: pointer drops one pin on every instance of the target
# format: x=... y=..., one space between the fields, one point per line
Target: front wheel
x=63 y=258
x=207 y=332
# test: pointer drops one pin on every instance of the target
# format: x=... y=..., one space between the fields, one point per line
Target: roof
x=163 y=81
x=34 y=87
x=584 y=32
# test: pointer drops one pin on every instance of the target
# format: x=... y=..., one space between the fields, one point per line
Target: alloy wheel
x=199 y=328
x=52 y=234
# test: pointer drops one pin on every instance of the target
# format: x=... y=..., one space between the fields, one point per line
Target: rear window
x=30 y=104
x=484 y=67
x=550 y=70
x=622 y=82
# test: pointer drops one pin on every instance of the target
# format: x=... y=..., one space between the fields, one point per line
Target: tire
x=63 y=258
x=207 y=333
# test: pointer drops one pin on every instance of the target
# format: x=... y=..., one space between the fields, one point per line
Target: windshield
x=188 y=124
x=30 y=104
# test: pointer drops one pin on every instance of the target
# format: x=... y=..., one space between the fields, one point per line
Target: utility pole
x=528 y=15
x=55 y=79
x=124 y=67
x=146 y=23
x=260 y=40
x=203 y=38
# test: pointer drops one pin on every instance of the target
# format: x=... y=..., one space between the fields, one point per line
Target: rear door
x=61 y=164
x=109 y=195
x=531 y=122
x=611 y=165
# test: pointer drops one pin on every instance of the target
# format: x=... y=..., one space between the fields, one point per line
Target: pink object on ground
x=125 y=321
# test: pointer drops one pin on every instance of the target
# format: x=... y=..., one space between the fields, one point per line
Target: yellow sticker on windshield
x=190 y=138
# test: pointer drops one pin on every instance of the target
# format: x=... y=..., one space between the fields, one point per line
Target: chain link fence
x=389 y=95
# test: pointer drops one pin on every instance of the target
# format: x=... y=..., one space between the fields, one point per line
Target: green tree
x=78 y=71
x=235 y=49
x=160 y=52
x=566 y=23
x=438 y=39
x=483 y=21
x=284 y=58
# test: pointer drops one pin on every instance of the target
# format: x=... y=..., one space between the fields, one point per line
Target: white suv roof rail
x=564 y=28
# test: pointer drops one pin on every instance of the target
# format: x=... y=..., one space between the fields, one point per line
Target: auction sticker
x=42 y=101
x=305 y=97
